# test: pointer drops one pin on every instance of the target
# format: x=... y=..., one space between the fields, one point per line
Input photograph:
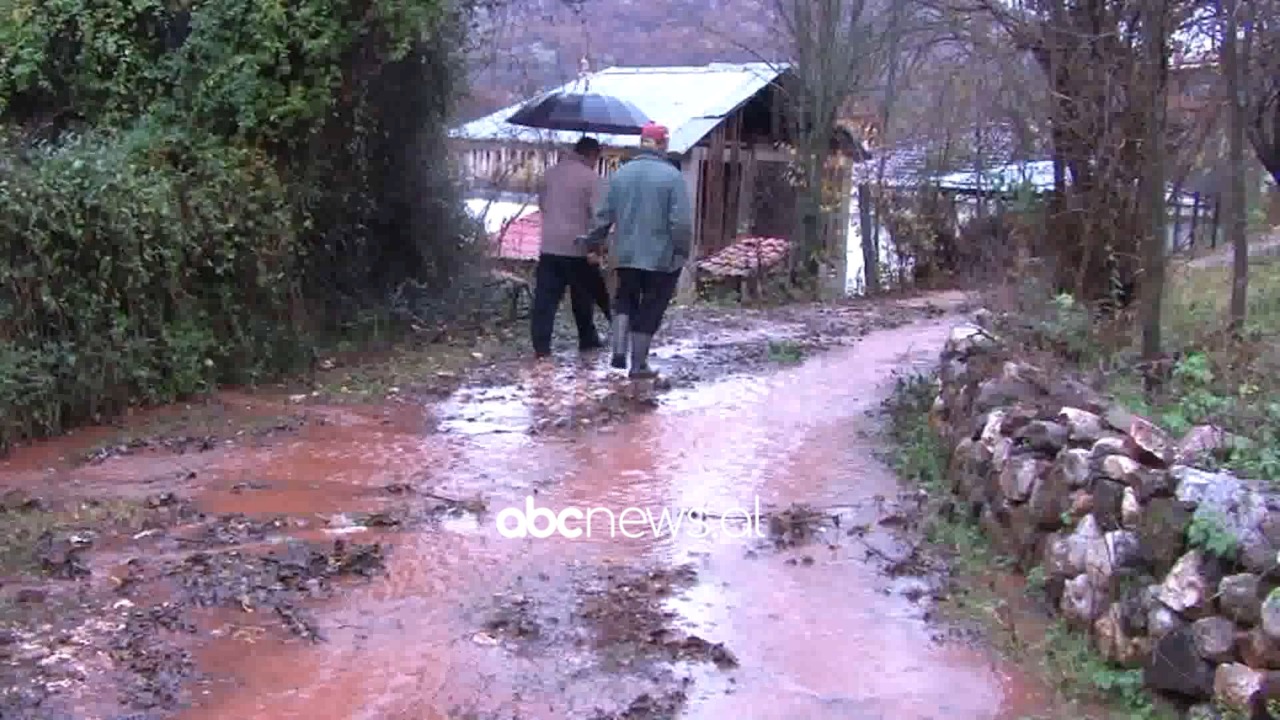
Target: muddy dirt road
x=784 y=594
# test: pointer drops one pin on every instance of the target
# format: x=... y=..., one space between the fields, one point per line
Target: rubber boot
x=640 y=369
x=620 y=328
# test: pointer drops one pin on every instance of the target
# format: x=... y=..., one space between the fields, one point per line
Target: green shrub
x=138 y=266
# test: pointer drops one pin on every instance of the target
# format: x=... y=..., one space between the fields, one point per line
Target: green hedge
x=138 y=266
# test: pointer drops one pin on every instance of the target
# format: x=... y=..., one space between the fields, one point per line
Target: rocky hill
x=537 y=44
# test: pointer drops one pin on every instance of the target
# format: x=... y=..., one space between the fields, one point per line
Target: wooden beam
x=747 y=192
x=733 y=188
x=713 y=219
x=687 y=290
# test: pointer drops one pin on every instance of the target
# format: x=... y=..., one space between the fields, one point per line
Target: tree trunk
x=1237 y=209
x=870 y=253
x=1154 y=25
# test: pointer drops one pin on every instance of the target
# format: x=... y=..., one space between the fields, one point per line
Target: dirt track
x=345 y=561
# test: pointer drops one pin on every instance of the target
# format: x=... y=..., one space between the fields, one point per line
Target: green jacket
x=648 y=202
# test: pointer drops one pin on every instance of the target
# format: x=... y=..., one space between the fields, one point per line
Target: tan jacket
x=567 y=198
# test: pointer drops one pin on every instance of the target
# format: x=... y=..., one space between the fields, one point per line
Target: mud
x=349 y=566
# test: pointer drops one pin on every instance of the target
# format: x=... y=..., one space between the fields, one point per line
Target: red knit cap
x=654 y=132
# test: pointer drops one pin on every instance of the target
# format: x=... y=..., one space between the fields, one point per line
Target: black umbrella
x=586 y=112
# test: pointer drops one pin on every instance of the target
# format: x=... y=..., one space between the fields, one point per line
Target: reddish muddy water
x=818 y=630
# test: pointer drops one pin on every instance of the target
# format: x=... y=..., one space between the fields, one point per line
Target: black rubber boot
x=619 y=329
x=640 y=369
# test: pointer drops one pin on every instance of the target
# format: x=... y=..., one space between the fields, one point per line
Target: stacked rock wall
x=1169 y=567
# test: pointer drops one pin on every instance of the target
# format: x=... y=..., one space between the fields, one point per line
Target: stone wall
x=1170 y=568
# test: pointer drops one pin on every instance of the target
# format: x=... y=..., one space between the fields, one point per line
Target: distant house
x=728 y=135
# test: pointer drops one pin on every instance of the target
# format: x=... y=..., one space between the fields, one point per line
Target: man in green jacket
x=648 y=203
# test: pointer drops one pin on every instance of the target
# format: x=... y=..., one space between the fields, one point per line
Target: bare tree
x=1236 y=205
x=1155 y=25
x=1261 y=72
x=838 y=48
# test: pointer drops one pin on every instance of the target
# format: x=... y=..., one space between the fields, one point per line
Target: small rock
x=1052 y=494
x=1018 y=478
x=1161 y=621
x=1257 y=650
x=1120 y=468
x=963 y=340
x=1175 y=667
x=1156 y=446
x=1242 y=510
x=1081 y=503
x=1107 y=499
x=1081 y=601
x=1215 y=638
x=1130 y=510
x=1271 y=615
x=990 y=431
x=1163 y=532
x=1002 y=392
x=1074 y=466
x=1205 y=440
x=1110 y=445
x=1114 y=643
x=484 y=639
x=1204 y=711
x=1082 y=425
x=1238 y=598
x=970 y=467
x=1186 y=588
x=1237 y=686
x=1059 y=561
x=30 y=596
x=1043 y=436
x=1118 y=549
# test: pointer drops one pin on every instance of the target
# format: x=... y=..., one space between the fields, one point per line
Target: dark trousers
x=554 y=274
x=643 y=296
x=599 y=291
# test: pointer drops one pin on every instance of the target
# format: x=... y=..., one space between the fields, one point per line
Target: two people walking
x=648 y=205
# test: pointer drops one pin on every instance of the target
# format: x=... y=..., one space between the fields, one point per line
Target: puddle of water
x=487 y=411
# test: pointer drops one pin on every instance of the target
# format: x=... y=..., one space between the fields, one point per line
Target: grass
x=409 y=368
x=1061 y=656
x=1198 y=298
x=1218 y=380
x=785 y=352
x=21 y=529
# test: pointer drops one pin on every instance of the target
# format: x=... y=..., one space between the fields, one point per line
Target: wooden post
x=733 y=186
x=691 y=168
x=1213 y=232
x=1177 y=217
x=844 y=181
x=713 y=231
x=747 y=191
x=1195 y=219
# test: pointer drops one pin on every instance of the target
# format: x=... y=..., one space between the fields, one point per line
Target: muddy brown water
x=818 y=631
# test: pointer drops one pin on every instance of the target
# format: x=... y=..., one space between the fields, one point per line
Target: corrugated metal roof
x=690 y=101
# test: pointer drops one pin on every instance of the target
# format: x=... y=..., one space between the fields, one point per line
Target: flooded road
x=826 y=636
x=731 y=615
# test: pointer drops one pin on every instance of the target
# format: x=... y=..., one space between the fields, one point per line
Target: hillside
x=537 y=44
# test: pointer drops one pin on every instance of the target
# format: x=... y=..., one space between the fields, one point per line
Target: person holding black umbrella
x=566 y=198
x=649 y=204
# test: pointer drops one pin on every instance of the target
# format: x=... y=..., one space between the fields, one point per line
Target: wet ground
x=300 y=560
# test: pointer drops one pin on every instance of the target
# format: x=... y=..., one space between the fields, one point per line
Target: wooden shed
x=728 y=135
